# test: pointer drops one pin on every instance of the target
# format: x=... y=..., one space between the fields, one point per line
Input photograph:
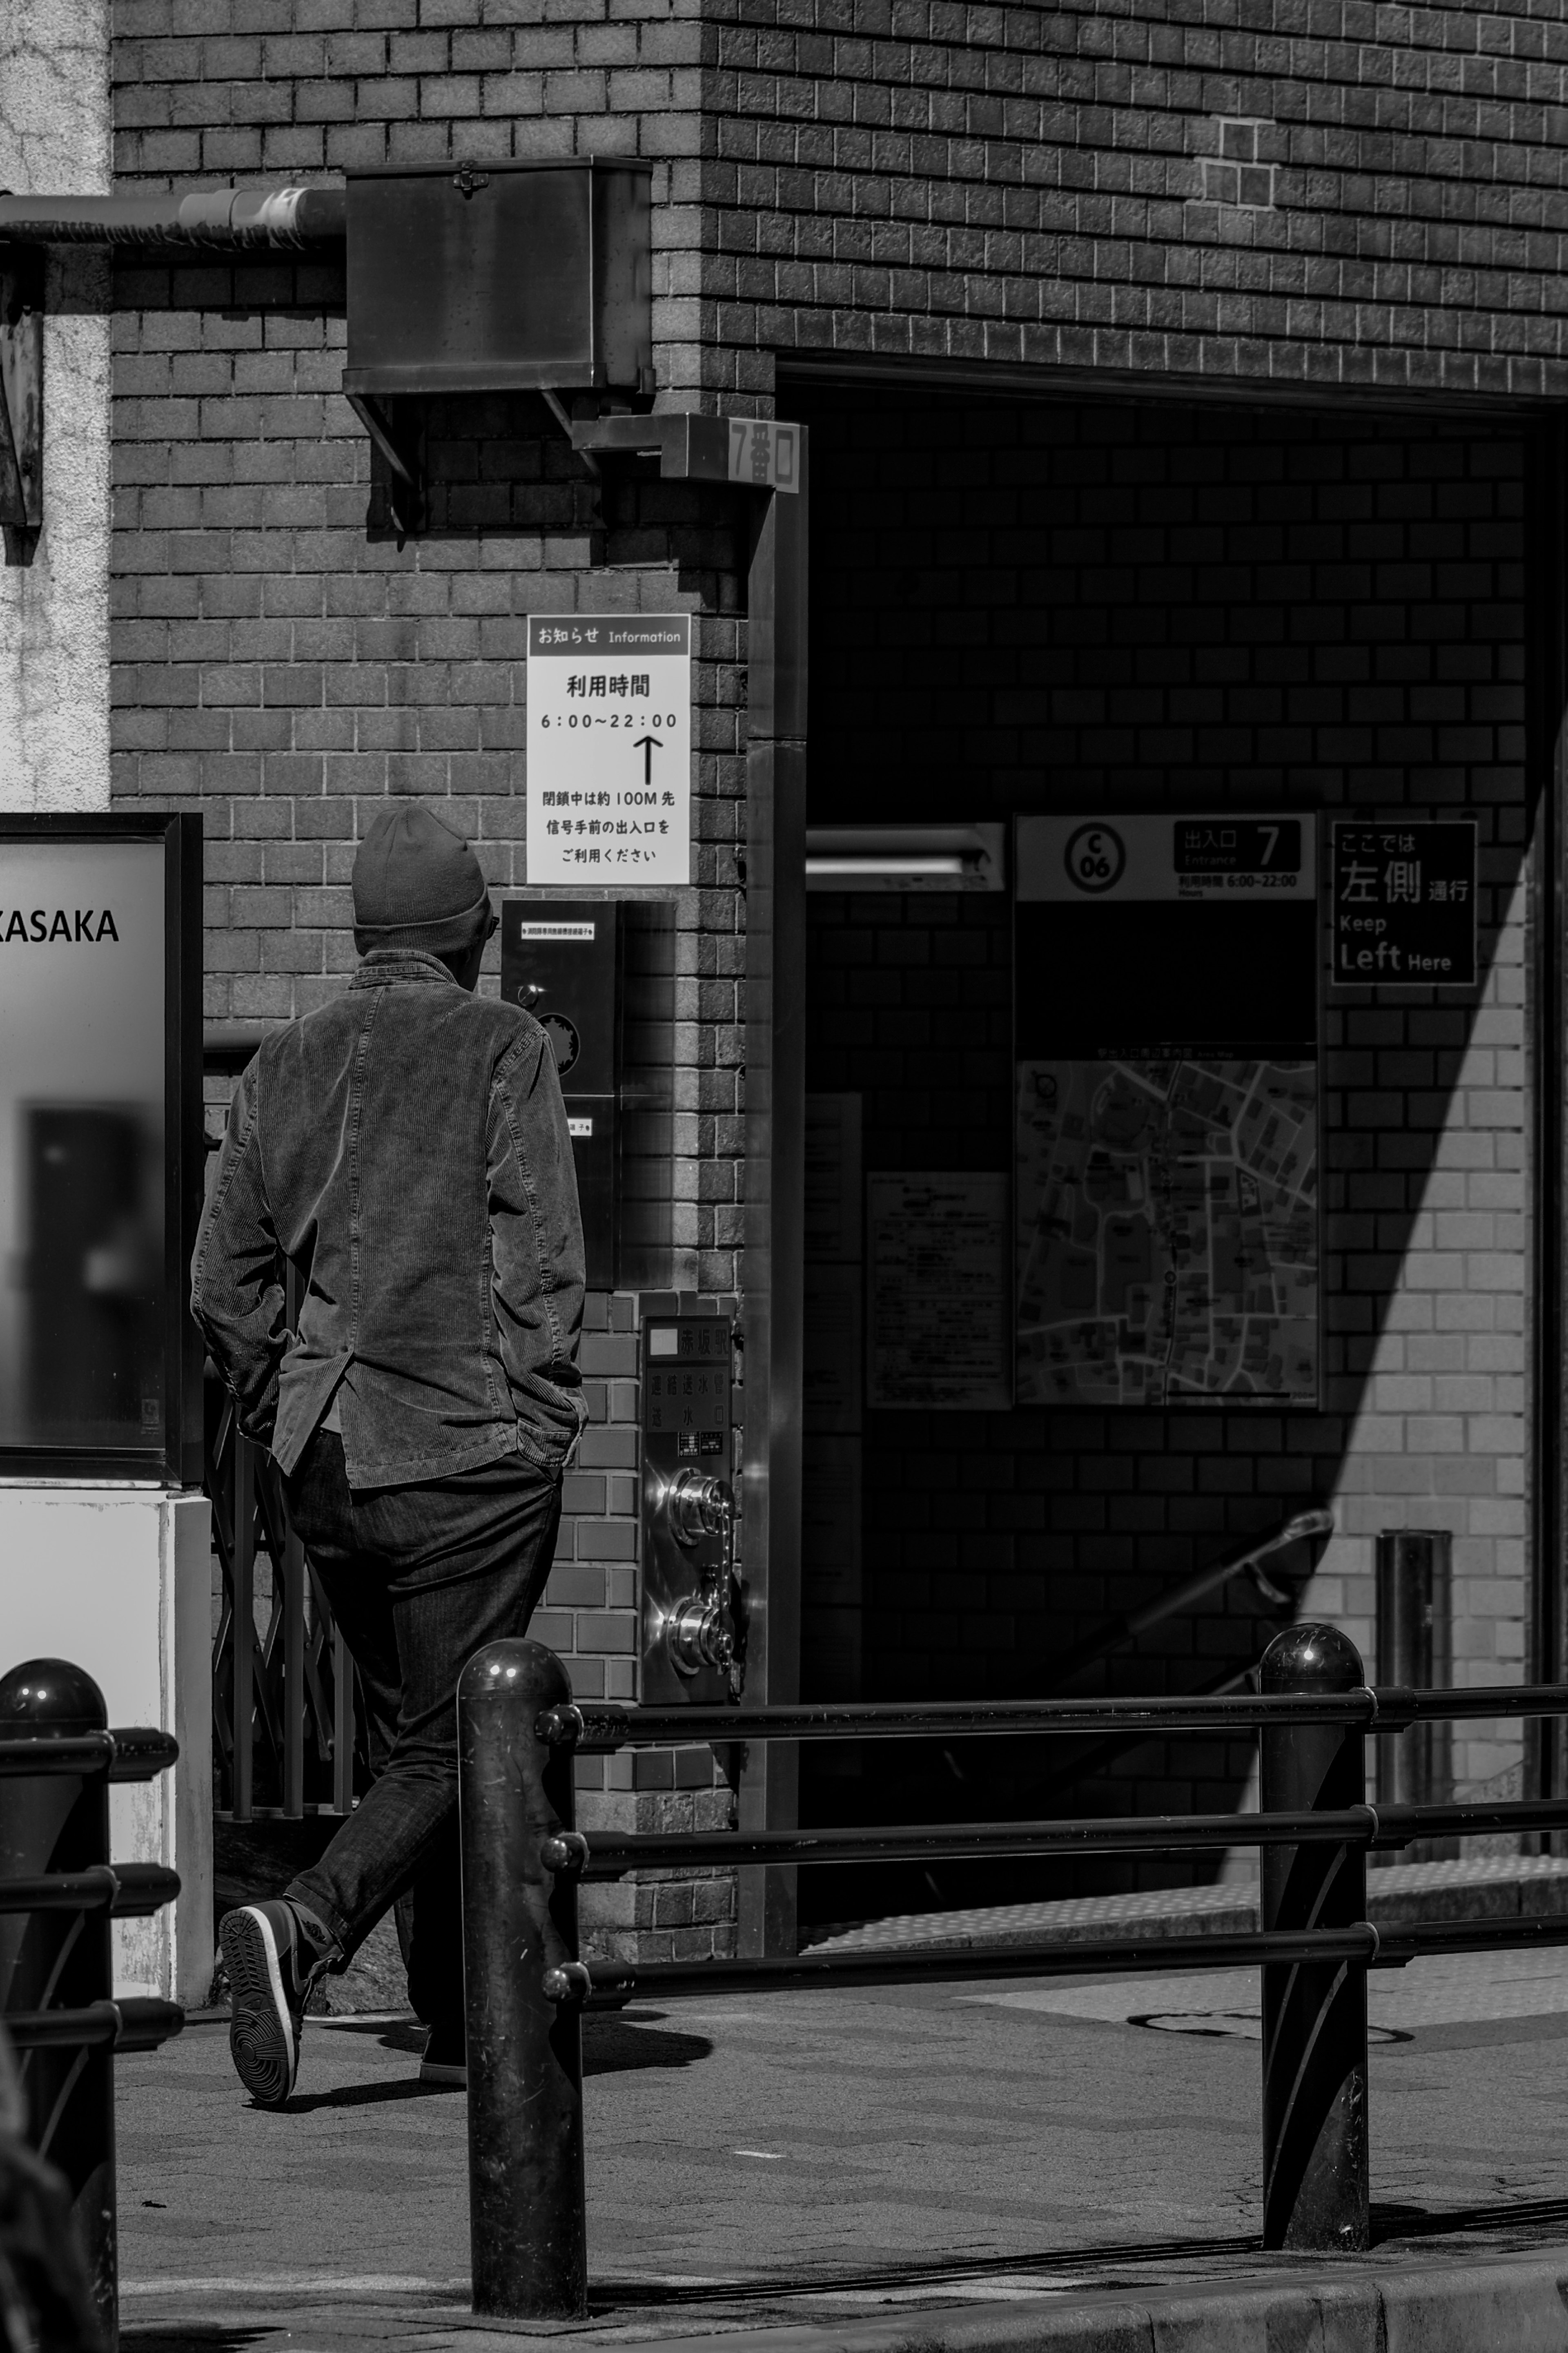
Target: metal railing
x=287 y=1727
x=520 y=1731
x=59 y=1891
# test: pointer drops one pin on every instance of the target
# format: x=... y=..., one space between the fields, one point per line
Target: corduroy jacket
x=405 y=1149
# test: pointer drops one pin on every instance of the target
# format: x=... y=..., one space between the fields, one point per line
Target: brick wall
x=1351 y=196
x=1025 y=607
x=1345 y=194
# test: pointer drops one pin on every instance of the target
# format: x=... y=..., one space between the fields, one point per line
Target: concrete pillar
x=56 y=139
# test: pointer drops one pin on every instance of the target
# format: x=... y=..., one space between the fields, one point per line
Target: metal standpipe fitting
x=697 y=1634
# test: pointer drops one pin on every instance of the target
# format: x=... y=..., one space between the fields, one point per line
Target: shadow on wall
x=1061 y=607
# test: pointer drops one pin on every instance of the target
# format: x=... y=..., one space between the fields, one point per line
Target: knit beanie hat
x=417 y=884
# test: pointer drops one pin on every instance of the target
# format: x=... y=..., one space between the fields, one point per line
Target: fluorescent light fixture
x=905 y=857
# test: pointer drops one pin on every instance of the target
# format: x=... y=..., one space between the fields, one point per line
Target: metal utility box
x=598 y=975
x=690 y=1606
x=500 y=277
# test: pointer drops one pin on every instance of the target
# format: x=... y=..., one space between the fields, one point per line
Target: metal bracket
x=22 y=387
x=404 y=455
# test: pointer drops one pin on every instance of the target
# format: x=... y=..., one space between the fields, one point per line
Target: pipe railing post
x=62 y=1960
x=1315 y=2166
x=525 y=1988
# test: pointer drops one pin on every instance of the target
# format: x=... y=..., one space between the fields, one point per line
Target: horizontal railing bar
x=1150 y=1834
x=137 y=2023
x=1107 y=1955
x=135 y=1753
x=1397 y=1946
x=129 y=1890
x=85 y=1752
x=1398 y=1825
x=1397 y=1706
x=600 y=1729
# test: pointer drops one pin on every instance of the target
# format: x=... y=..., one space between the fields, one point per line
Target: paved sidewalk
x=978 y=2165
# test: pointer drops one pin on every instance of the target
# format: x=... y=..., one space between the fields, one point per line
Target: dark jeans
x=418 y=1578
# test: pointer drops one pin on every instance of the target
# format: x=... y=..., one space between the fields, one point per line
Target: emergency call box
x=597 y=975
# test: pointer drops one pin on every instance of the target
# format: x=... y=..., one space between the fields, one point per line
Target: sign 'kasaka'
x=78 y=923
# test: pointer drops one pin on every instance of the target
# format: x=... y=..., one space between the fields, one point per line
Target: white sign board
x=938 y=1291
x=609 y=748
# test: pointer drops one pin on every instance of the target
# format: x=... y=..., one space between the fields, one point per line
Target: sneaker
x=271 y=1966
x=445 y=2058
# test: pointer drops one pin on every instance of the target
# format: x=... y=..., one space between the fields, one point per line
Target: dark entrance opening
x=1057 y=606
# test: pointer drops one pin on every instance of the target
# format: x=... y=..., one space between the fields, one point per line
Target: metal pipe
x=607 y=1857
x=125 y=1890
x=135 y=1754
x=1397 y=1946
x=1316 y=2177
x=1397 y=1708
x=1097 y=1956
x=1398 y=1825
x=524 y=1990
x=597 y=1730
x=138 y=2023
x=228 y=219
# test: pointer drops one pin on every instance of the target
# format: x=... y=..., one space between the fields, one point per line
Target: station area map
x=1167 y=1231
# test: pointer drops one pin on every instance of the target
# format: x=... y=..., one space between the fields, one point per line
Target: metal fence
x=521 y=1731
x=287 y=1727
x=59 y=1891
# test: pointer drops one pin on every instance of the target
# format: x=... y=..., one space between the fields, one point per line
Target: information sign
x=1403 y=903
x=1166 y=1110
x=609 y=748
x=937 y=1288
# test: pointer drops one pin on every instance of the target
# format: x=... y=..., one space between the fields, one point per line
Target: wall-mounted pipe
x=227 y=218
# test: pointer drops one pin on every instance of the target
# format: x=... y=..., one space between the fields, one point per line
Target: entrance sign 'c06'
x=1166 y=1107
x=609 y=748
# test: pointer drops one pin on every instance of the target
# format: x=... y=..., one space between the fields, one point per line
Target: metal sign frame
x=178 y=1462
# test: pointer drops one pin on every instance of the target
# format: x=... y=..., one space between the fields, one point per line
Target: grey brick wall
x=1343 y=195
x=1329 y=194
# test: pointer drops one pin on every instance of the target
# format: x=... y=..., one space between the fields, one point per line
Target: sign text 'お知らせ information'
x=609 y=748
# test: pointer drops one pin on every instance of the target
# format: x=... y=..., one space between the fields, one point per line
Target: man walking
x=405 y=1150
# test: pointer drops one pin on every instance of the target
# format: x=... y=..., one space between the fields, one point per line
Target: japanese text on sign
x=609 y=748
x=1405 y=903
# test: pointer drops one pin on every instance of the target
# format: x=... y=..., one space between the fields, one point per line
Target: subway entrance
x=1030 y=617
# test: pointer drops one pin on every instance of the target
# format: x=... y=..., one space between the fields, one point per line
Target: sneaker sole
x=433 y=2071
x=261 y=2038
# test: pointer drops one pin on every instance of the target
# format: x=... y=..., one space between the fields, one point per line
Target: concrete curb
x=1515 y=2305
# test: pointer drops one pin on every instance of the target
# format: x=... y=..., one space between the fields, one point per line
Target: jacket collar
x=381 y=967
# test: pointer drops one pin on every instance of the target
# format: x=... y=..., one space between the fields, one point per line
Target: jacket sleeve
x=236 y=1291
x=536 y=1234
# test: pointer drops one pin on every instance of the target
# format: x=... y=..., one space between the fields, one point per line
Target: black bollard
x=524 y=1991
x=1315 y=2173
x=62 y=1960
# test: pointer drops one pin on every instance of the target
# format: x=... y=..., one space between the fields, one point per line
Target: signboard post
x=609 y=749
x=1166 y=1114
x=1403 y=904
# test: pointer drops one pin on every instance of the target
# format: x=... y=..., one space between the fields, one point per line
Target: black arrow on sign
x=653 y=744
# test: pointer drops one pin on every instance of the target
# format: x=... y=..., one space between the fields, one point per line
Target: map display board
x=609 y=748
x=1167 y=1105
